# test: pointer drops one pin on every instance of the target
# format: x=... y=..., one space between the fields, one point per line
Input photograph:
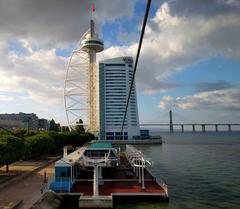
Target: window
x=110 y=85
x=115 y=72
x=110 y=137
x=118 y=133
x=116 y=76
x=118 y=137
x=116 y=98
x=116 y=114
x=113 y=64
x=115 y=102
x=114 y=106
x=92 y=42
x=110 y=133
x=63 y=174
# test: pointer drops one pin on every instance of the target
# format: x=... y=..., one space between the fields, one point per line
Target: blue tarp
x=63 y=186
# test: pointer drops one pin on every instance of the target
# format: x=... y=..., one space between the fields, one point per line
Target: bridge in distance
x=182 y=126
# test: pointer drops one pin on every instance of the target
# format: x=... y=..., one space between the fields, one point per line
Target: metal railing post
x=143 y=165
x=139 y=170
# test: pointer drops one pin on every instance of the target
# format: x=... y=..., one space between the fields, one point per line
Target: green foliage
x=21 y=143
x=74 y=138
x=54 y=126
x=78 y=139
x=40 y=144
x=79 y=126
x=22 y=133
x=60 y=139
x=65 y=129
x=11 y=149
x=5 y=132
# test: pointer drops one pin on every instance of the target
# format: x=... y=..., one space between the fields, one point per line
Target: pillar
x=171 y=123
x=216 y=127
x=182 y=126
x=143 y=166
x=95 y=181
x=139 y=171
x=92 y=28
x=65 y=151
x=136 y=162
x=69 y=186
x=71 y=173
x=193 y=127
x=229 y=127
x=134 y=168
x=100 y=172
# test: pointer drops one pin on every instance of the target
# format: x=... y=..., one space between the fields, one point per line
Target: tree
x=22 y=133
x=12 y=149
x=5 y=132
x=78 y=139
x=79 y=126
x=65 y=129
x=19 y=132
x=54 y=126
x=57 y=127
x=40 y=144
x=60 y=138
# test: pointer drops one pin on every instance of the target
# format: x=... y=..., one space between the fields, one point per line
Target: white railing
x=136 y=157
x=91 y=161
x=163 y=185
x=138 y=162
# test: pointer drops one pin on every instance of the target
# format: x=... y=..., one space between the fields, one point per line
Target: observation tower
x=81 y=82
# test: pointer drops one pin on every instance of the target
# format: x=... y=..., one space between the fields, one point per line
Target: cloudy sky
x=190 y=59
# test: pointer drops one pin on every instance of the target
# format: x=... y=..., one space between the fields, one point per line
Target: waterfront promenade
x=26 y=188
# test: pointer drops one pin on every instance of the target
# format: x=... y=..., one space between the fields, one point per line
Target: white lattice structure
x=81 y=83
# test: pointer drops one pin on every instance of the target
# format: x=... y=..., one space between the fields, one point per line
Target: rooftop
x=101 y=145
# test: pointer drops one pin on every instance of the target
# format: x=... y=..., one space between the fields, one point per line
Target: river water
x=202 y=170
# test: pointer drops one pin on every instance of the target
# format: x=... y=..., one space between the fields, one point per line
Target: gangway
x=138 y=161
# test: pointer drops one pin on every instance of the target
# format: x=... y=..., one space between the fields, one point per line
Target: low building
x=43 y=124
x=26 y=120
x=10 y=124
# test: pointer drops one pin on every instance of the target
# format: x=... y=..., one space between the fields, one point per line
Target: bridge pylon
x=171 y=122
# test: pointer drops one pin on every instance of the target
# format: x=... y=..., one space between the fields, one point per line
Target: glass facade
x=115 y=77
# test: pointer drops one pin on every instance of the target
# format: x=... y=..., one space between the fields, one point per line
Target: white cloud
x=171 y=43
x=4 y=98
x=228 y=99
x=174 y=42
x=56 y=22
x=38 y=74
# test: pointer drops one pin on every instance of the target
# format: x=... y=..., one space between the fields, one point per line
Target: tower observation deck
x=81 y=83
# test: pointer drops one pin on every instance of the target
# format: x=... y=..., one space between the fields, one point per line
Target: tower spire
x=92 y=28
x=86 y=105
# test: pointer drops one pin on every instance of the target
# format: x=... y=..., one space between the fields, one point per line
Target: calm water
x=202 y=170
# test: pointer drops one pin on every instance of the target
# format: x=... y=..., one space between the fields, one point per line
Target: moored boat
x=102 y=176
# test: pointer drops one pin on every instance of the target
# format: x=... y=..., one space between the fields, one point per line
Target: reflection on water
x=202 y=170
